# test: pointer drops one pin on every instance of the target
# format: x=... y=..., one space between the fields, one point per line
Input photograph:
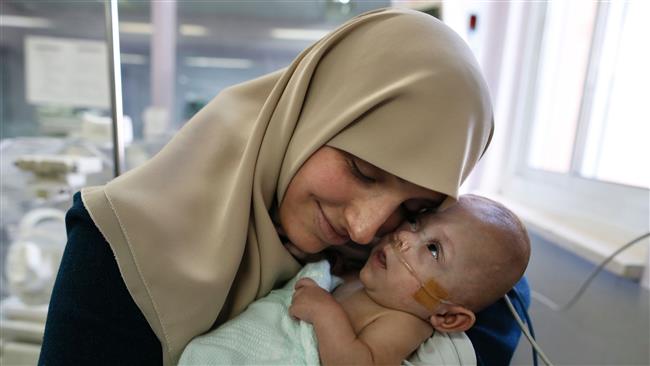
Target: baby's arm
x=387 y=340
x=337 y=342
x=393 y=336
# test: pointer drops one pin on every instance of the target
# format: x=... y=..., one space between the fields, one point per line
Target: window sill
x=589 y=240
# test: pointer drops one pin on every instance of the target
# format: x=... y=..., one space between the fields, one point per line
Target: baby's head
x=468 y=256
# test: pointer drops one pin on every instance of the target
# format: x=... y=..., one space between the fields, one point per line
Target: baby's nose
x=406 y=239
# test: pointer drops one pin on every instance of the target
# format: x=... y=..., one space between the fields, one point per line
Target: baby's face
x=445 y=247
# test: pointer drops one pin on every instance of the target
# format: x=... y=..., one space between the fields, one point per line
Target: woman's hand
x=310 y=302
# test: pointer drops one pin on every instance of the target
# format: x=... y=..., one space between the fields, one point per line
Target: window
x=588 y=117
x=575 y=156
x=616 y=144
x=582 y=136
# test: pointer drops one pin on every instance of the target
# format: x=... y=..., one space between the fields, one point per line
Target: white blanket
x=265 y=334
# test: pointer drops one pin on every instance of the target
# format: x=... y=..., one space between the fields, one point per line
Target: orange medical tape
x=430 y=294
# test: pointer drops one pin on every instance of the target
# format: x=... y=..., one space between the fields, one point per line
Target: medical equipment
x=551 y=304
x=39 y=176
x=430 y=293
x=31 y=266
x=97 y=130
x=528 y=332
x=54 y=175
x=33 y=259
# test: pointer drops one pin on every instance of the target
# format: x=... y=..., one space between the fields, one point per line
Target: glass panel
x=563 y=65
x=176 y=56
x=617 y=148
x=55 y=138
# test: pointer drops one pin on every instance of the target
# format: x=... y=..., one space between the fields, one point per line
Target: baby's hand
x=310 y=301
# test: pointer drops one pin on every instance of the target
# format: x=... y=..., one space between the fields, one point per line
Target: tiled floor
x=609 y=325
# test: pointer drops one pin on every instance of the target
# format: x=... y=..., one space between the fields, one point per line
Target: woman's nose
x=371 y=218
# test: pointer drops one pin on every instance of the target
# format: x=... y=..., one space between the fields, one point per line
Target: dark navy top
x=92 y=319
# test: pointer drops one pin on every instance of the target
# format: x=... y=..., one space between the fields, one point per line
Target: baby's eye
x=433 y=248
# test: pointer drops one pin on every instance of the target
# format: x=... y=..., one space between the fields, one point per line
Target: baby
x=433 y=273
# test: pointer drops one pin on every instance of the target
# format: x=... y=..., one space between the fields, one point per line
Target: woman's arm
x=92 y=319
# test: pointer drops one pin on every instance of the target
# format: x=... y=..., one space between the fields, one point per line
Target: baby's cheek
x=407 y=290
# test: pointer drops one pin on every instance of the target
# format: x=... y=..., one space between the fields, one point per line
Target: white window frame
x=589 y=217
x=570 y=192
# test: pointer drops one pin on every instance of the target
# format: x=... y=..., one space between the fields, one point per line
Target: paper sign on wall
x=66 y=72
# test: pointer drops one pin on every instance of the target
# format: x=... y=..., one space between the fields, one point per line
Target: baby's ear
x=452 y=318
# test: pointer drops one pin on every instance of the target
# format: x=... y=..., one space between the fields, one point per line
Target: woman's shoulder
x=79 y=221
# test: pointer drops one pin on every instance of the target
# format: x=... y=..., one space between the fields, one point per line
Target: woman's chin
x=295 y=251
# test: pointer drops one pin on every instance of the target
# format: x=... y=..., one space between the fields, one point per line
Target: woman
x=385 y=116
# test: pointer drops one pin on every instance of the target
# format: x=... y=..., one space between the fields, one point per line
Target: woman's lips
x=328 y=232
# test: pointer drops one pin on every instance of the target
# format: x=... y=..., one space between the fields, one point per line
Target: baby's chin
x=363 y=274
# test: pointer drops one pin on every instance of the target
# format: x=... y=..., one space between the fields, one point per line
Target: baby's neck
x=360 y=308
x=351 y=286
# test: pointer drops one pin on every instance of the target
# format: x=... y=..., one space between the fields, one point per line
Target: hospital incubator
x=39 y=177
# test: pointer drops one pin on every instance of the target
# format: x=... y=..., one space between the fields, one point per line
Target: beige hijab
x=191 y=229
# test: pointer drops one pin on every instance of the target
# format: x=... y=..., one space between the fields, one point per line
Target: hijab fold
x=191 y=229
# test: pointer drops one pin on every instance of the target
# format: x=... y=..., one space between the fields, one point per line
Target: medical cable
x=529 y=323
x=524 y=330
x=551 y=304
x=529 y=333
x=523 y=307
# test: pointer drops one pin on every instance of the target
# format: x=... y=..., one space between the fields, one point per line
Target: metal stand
x=115 y=77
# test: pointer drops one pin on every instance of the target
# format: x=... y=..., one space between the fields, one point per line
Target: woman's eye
x=413 y=222
x=359 y=174
x=433 y=248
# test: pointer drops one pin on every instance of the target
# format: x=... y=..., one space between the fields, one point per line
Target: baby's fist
x=309 y=300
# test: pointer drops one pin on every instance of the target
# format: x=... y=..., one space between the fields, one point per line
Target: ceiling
x=230 y=25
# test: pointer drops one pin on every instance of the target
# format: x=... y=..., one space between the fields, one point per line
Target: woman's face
x=335 y=198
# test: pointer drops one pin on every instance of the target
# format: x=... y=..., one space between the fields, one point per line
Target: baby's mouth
x=381 y=257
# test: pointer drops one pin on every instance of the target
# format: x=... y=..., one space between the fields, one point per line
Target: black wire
x=529 y=323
